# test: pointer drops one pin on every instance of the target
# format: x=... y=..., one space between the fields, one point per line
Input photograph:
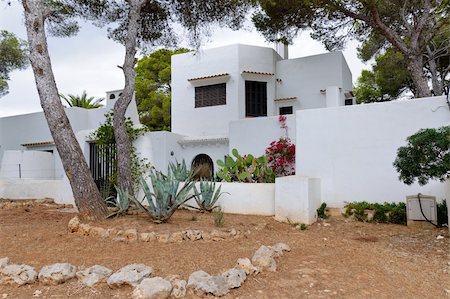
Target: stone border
x=139 y=276
x=132 y=235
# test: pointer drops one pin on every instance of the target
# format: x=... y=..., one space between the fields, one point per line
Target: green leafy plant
x=121 y=202
x=245 y=168
x=442 y=213
x=194 y=218
x=219 y=217
x=425 y=157
x=167 y=196
x=382 y=213
x=301 y=226
x=208 y=195
x=321 y=211
x=82 y=101
x=104 y=135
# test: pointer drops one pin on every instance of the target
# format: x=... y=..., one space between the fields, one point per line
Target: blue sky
x=89 y=60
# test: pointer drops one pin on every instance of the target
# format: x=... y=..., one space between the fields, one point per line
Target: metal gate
x=103 y=165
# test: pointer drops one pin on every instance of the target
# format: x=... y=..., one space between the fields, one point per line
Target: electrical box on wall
x=416 y=204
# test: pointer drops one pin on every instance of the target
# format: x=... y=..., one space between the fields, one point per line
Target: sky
x=89 y=60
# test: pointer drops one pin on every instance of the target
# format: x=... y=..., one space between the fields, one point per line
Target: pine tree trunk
x=438 y=88
x=414 y=64
x=87 y=197
x=123 y=143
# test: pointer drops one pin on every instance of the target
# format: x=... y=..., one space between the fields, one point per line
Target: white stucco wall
x=27 y=165
x=351 y=149
x=245 y=198
x=254 y=135
x=159 y=148
x=32 y=189
x=306 y=77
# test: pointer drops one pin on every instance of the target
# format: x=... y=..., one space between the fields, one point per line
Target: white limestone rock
x=263 y=259
x=279 y=248
x=147 y=237
x=153 y=288
x=202 y=283
x=17 y=274
x=131 y=274
x=57 y=273
x=235 y=277
x=74 y=224
x=192 y=234
x=4 y=262
x=178 y=288
x=246 y=265
x=93 y=275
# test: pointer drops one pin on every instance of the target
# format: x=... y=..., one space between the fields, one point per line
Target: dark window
x=210 y=95
x=286 y=110
x=112 y=96
x=348 y=102
x=255 y=98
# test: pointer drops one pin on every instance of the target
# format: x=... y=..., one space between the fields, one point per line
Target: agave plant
x=208 y=195
x=121 y=202
x=168 y=195
x=180 y=171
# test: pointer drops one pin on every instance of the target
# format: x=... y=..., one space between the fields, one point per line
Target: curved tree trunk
x=438 y=88
x=123 y=143
x=87 y=197
x=414 y=63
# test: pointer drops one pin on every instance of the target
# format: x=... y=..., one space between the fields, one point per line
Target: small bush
x=383 y=213
x=442 y=213
x=218 y=215
x=301 y=226
x=321 y=211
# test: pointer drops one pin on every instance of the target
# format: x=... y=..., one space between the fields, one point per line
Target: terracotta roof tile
x=258 y=73
x=209 y=77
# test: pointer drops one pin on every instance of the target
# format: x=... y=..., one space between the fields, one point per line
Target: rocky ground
x=337 y=258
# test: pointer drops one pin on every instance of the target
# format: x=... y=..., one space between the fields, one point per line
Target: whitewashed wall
x=254 y=135
x=351 y=149
x=306 y=77
x=27 y=165
x=33 y=189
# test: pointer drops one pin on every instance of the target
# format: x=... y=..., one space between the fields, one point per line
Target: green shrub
x=218 y=215
x=442 y=213
x=321 y=211
x=382 y=213
x=247 y=169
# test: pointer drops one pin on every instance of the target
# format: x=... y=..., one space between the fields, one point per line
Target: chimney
x=282 y=49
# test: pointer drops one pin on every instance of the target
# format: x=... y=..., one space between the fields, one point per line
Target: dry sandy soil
x=345 y=259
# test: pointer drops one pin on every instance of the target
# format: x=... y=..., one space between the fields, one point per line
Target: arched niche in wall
x=202 y=167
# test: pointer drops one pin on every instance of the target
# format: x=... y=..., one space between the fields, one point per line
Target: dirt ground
x=341 y=259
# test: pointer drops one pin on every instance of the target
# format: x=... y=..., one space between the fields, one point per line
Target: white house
x=211 y=88
x=27 y=149
x=230 y=97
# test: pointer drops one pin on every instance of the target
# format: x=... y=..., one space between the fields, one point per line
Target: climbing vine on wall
x=104 y=135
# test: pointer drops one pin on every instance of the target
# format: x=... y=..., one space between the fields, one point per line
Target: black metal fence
x=103 y=165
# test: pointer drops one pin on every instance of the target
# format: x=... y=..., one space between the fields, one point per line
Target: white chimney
x=282 y=49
